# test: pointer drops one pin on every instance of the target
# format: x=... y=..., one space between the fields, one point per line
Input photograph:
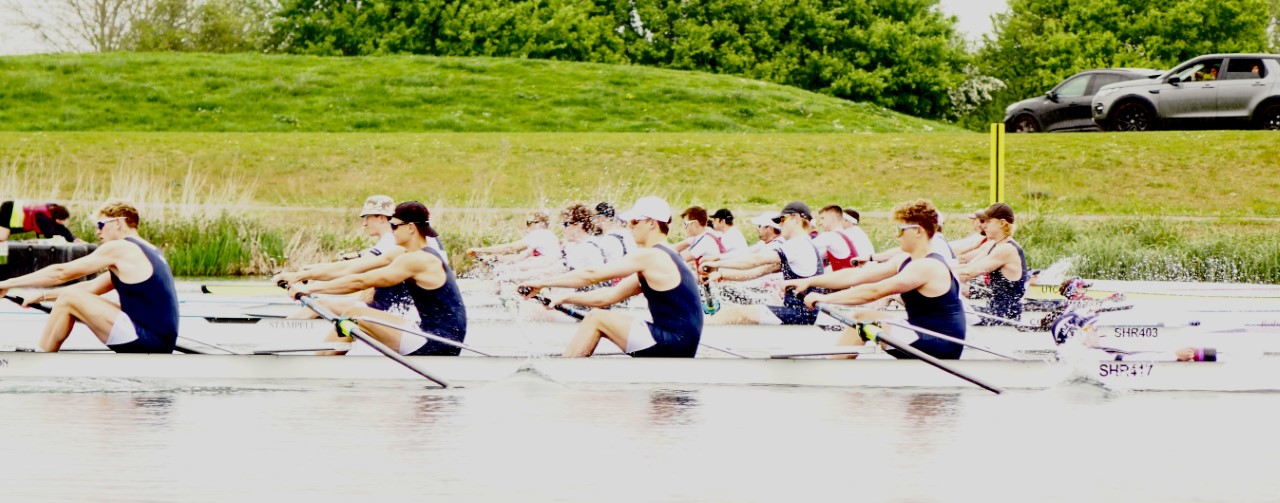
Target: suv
x=1213 y=88
x=1066 y=106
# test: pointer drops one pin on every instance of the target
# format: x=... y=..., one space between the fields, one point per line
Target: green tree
x=201 y=25
x=1037 y=43
x=902 y=54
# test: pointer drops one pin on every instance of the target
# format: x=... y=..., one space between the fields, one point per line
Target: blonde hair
x=119 y=208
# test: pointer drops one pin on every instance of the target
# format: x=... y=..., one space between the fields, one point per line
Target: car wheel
x=1133 y=116
x=1269 y=117
x=1026 y=124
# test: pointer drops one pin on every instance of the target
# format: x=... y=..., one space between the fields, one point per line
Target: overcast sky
x=974 y=15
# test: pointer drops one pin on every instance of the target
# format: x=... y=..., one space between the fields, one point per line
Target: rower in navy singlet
x=929 y=290
x=1006 y=263
x=652 y=270
x=425 y=277
x=146 y=319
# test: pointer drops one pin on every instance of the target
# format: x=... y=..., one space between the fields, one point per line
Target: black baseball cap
x=723 y=214
x=605 y=210
x=413 y=212
x=797 y=208
x=1001 y=211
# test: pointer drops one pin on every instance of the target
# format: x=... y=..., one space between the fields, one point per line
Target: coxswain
x=146 y=318
x=653 y=270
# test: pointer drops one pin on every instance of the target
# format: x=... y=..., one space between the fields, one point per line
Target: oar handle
x=524 y=290
x=925 y=357
x=19 y=301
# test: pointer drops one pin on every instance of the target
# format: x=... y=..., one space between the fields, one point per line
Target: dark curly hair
x=578 y=213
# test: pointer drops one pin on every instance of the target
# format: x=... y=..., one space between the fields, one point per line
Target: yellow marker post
x=997 y=163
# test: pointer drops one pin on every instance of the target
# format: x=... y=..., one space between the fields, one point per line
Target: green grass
x=277 y=93
x=1196 y=174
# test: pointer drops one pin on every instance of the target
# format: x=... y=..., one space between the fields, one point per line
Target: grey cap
x=378 y=205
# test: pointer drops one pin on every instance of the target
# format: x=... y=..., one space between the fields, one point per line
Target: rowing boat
x=1248 y=375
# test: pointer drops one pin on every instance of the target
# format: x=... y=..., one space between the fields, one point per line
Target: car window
x=1245 y=69
x=1200 y=71
x=1103 y=79
x=1074 y=88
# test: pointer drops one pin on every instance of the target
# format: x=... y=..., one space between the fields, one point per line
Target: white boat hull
x=1259 y=375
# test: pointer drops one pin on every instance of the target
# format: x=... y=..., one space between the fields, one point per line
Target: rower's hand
x=528 y=290
x=800 y=285
x=287 y=277
x=557 y=300
x=709 y=265
x=811 y=301
x=298 y=290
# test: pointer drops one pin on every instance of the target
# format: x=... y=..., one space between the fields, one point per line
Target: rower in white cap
x=653 y=270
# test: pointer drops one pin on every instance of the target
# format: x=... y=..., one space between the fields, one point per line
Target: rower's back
x=440 y=311
x=676 y=313
x=152 y=305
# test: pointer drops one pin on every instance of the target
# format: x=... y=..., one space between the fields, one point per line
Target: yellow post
x=997 y=163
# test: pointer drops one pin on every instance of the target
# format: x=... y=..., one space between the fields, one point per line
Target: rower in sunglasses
x=432 y=289
x=797 y=257
x=146 y=318
x=930 y=291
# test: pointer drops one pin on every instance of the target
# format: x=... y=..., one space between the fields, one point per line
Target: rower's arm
x=986 y=264
x=845 y=278
x=911 y=278
x=749 y=274
x=401 y=268
x=499 y=249
x=747 y=261
x=57 y=274
x=578 y=278
x=603 y=297
x=331 y=270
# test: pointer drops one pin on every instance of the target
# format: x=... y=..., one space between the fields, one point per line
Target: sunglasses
x=103 y=223
x=779 y=219
x=395 y=226
x=637 y=222
x=903 y=228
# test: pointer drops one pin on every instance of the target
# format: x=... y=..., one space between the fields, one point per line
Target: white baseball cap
x=648 y=207
x=766 y=220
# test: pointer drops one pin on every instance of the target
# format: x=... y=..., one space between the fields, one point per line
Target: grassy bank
x=1198 y=173
x=261 y=93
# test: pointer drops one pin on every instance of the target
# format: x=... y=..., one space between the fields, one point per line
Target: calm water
x=526 y=439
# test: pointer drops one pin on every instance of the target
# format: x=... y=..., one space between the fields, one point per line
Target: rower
x=835 y=245
x=968 y=247
x=580 y=248
x=861 y=241
x=701 y=241
x=769 y=231
x=1076 y=334
x=654 y=270
x=45 y=219
x=534 y=254
x=732 y=239
x=930 y=292
x=145 y=320
x=796 y=258
x=427 y=279
x=1006 y=263
x=375 y=217
x=614 y=237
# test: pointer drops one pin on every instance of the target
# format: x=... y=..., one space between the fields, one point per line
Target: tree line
x=904 y=55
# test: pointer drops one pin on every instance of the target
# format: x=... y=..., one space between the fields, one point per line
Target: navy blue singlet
x=793 y=311
x=151 y=304
x=677 y=315
x=1006 y=294
x=943 y=314
x=440 y=311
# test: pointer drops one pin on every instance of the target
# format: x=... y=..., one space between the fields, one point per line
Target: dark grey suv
x=1066 y=107
x=1208 y=90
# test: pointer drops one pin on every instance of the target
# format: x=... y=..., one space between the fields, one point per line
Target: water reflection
x=672 y=407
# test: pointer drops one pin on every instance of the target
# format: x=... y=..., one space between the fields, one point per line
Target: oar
x=925 y=357
x=579 y=316
x=348 y=327
x=180 y=347
x=710 y=303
